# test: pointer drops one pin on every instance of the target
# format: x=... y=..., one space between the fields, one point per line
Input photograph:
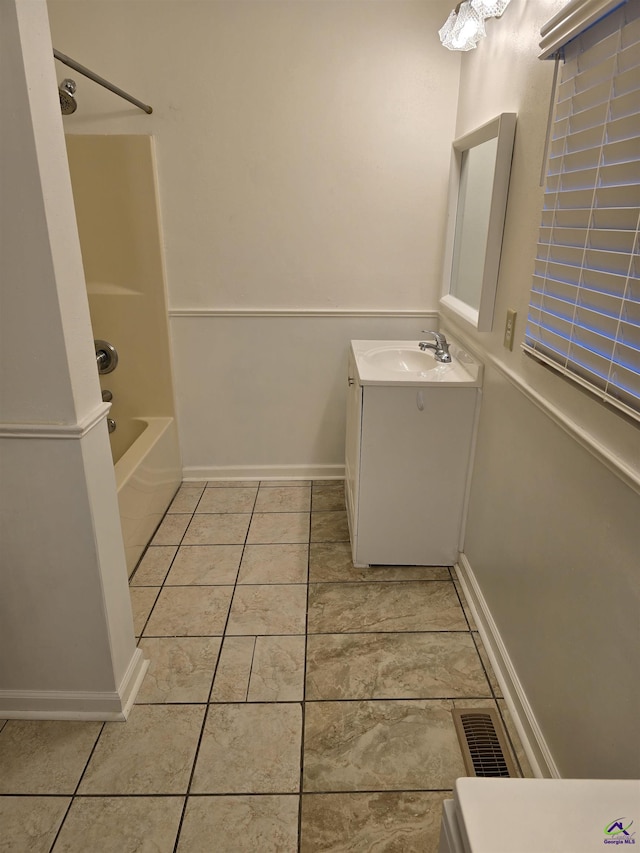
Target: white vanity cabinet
x=408 y=449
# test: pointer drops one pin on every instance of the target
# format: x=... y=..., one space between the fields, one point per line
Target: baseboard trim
x=533 y=741
x=263 y=472
x=76 y=705
x=132 y=681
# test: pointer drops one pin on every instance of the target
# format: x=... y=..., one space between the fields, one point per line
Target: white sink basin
x=404 y=363
x=401 y=359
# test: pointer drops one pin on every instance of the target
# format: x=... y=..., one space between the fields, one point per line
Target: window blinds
x=584 y=314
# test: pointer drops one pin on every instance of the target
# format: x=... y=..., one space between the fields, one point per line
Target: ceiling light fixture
x=490 y=8
x=464 y=27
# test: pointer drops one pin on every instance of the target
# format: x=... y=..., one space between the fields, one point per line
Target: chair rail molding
x=58 y=431
x=300 y=312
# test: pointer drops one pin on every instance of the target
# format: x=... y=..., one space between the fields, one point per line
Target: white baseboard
x=533 y=741
x=132 y=681
x=264 y=472
x=76 y=705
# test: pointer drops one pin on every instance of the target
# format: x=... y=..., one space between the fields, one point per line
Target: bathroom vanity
x=410 y=428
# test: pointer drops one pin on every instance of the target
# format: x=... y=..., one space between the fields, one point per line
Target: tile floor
x=292 y=703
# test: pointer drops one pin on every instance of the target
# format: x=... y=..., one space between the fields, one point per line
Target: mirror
x=479 y=184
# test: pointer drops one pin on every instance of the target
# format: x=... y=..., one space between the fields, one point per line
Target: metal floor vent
x=483 y=742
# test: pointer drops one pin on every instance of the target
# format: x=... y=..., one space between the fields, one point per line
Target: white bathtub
x=148 y=475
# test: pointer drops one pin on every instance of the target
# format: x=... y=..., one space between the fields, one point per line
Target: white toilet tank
x=541 y=816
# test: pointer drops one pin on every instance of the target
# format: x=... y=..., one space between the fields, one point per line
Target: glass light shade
x=490 y=8
x=465 y=31
x=448 y=25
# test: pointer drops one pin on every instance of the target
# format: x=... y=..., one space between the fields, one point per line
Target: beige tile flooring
x=292 y=703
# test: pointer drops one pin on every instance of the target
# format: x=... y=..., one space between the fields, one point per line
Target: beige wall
x=552 y=536
x=302 y=147
x=303 y=153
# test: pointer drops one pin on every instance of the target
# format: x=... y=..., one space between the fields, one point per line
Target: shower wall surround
x=113 y=180
x=115 y=196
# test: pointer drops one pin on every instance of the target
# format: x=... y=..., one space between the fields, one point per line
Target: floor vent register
x=483 y=742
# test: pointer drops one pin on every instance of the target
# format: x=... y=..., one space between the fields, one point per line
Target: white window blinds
x=584 y=315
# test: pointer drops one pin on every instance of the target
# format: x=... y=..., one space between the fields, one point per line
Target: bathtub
x=148 y=474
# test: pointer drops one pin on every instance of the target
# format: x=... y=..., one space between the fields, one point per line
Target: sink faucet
x=440 y=346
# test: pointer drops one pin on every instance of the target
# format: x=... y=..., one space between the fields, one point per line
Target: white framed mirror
x=478 y=188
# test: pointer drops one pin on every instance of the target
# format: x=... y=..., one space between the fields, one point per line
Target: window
x=584 y=314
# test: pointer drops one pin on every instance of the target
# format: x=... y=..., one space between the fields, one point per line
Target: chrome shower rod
x=97 y=79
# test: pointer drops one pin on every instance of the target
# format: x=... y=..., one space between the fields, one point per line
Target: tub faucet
x=440 y=346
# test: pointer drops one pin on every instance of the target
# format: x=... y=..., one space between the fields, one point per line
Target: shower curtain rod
x=97 y=79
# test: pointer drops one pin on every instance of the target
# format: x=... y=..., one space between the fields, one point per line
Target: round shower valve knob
x=106 y=356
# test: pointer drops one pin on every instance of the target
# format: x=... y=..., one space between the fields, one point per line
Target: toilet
x=491 y=815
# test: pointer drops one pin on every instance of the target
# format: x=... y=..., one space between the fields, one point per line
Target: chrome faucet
x=440 y=346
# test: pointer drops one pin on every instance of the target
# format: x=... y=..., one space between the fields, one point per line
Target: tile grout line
x=337 y=700
x=362 y=632
x=253 y=657
x=304 y=679
x=209 y=703
x=215 y=672
x=137 y=566
x=220 y=795
x=482 y=664
x=462 y=605
x=375 y=581
x=75 y=792
x=476 y=698
x=161 y=587
x=138 y=640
